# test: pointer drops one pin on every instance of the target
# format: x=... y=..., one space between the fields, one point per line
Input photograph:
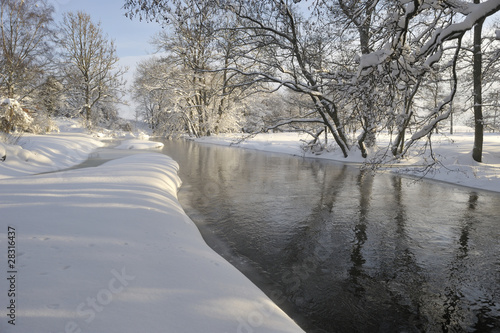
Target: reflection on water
x=342 y=250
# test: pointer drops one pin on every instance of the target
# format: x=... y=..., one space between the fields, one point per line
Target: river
x=344 y=250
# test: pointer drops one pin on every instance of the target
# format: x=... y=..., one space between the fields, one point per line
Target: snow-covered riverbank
x=109 y=249
x=453 y=152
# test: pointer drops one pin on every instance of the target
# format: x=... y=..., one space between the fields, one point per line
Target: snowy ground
x=109 y=249
x=454 y=153
x=45 y=153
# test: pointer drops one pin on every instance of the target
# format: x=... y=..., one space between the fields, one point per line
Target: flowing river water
x=343 y=250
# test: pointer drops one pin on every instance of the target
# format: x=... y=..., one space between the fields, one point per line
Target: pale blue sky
x=131 y=36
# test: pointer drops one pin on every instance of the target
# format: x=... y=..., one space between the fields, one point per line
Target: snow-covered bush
x=118 y=124
x=50 y=98
x=43 y=123
x=13 y=117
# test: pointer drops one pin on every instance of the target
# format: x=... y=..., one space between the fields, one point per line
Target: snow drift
x=109 y=249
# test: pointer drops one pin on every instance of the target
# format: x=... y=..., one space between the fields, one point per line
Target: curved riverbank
x=453 y=158
x=109 y=249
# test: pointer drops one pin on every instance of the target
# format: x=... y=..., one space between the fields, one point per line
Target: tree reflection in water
x=343 y=250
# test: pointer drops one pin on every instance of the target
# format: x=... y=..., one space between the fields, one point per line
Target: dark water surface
x=342 y=250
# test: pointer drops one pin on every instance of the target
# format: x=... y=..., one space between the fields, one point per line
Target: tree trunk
x=477 y=151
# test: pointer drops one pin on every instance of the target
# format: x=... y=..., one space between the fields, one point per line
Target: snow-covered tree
x=13 y=117
x=191 y=48
x=50 y=97
x=421 y=35
x=480 y=74
x=197 y=45
x=25 y=46
x=92 y=76
x=156 y=90
x=361 y=63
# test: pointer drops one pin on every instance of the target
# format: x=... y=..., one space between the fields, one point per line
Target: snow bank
x=287 y=143
x=44 y=153
x=139 y=144
x=58 y=151
x=109 y=249
x=454 y=153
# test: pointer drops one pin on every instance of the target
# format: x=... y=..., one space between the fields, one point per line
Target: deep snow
x=109 y=248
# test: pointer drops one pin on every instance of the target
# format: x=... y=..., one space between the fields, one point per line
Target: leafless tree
x=25 y=50
x=158 y=90
x=196 y=45
x=402 y=46
x=91 y=67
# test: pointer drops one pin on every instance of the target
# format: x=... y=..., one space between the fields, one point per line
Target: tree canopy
x=362 y=63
